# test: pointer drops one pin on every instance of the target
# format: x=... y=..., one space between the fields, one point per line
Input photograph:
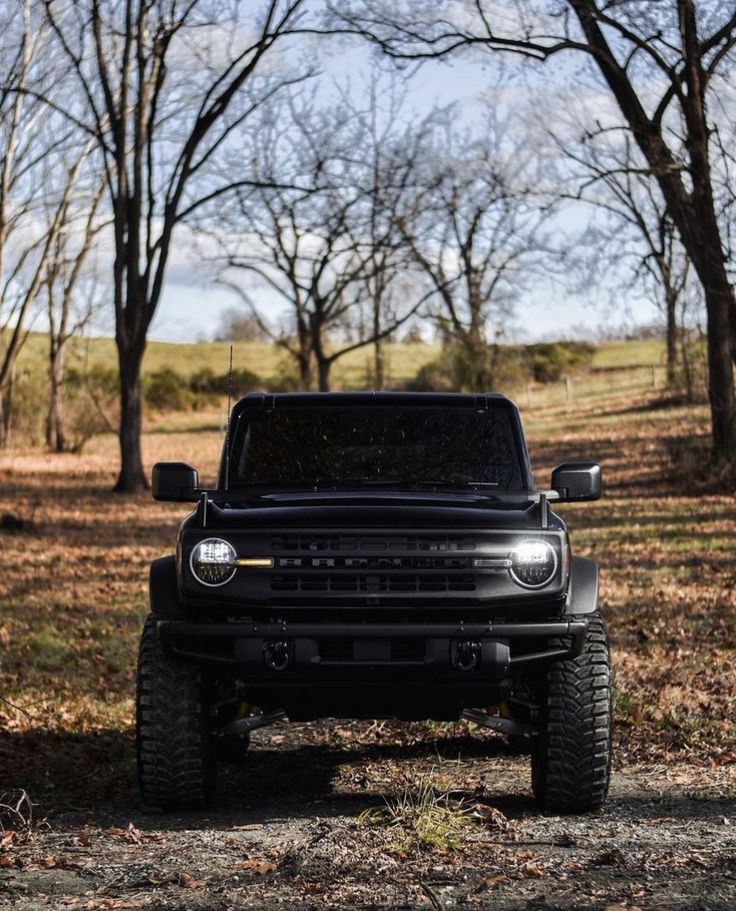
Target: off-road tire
x=234 y=750
x=571 y=758
x=176 y=764
x=519 y=746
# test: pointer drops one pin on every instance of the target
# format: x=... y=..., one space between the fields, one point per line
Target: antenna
x=227 y=425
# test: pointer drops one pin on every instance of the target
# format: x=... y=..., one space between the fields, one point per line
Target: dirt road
x=290 y=829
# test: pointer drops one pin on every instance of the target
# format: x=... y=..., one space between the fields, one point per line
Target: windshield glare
x=340 y=446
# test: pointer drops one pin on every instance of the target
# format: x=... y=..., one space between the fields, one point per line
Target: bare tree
x=23 y=146
x=34 y=196
x=160 y=87
x=637 y=235
x=236 y=326
x=388 y=158
x=475 y=233
x=70 y=300
x=658 y=59
x=324 y=250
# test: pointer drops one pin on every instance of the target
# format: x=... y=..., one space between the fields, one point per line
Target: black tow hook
x=466 y=655
x=277 y=655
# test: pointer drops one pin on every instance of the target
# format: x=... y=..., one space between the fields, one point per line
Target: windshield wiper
x=270 y=486
x=454 y=483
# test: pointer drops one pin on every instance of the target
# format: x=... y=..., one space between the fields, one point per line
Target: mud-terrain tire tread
x=571 y=763
x=176 y=767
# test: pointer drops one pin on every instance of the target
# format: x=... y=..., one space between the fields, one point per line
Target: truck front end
x=374 y=555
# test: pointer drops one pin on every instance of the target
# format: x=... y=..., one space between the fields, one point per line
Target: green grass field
x=266 y=360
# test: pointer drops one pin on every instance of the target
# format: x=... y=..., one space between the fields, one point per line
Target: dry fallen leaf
x=132 y=835
x=6 y=842
x=112 y=904
x=494 y=880
x=189 y=882
x=531 y=870
x=256 y=866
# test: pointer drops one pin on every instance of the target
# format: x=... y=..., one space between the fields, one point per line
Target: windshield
x=340 y=446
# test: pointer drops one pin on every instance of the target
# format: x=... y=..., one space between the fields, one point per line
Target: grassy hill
x=266 y=360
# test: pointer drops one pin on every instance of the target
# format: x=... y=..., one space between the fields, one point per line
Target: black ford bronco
x=369 y=555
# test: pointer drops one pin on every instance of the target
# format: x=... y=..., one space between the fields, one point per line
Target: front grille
x=389 y=584
x=375 y=543
x=379 y=567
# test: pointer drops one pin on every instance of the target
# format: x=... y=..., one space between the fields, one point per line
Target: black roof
x=353 y=399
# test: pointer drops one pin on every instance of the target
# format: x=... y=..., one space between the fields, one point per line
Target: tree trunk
x=132 y=478
x=6 y=410
x=671 y=337
x=379 y=365
x=379 y=378
x=697 y=224
x=305 y=360
x=306 y=374
x=687 y=370
x=720 y=370
x=692 y=211
x=55 y=436
x=707 y=257
x=323 y=367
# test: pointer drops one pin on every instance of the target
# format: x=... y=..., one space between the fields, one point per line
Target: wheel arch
x=163 y=590
x=582 y=597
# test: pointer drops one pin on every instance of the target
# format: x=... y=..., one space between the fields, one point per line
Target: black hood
x=385 y=508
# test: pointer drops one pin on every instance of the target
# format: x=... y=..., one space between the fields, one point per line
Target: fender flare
x=163 y=590
x=582 y=595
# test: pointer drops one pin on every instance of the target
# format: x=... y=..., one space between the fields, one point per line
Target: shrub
x=207 y=382
x=432 y=377
x=166 y=390
x=285 y=379
x=103 y=380
x=203 y=381
x=460 y=369
x=91 y=404
x=28 y=401
x=549 y=362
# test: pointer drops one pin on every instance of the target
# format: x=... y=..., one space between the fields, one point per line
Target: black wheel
x=233 y=749
x=571 y=758
x=176 y=764
x=519 y=746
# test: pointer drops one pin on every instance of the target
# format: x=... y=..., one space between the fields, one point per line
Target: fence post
x=568 y=388
x=654 y=377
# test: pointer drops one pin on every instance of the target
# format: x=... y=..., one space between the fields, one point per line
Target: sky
x=192 y=304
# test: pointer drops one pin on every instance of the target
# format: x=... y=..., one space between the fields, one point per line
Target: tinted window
x=340 y=445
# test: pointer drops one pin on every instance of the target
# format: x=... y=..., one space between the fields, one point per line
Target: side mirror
x=175 y=481
x=577 y=481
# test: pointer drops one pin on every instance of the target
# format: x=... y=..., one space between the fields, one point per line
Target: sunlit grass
x=423 y=815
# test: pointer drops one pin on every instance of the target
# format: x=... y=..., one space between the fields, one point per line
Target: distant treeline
x=169 y=390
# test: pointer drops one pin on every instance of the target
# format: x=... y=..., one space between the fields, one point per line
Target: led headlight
x=213 y=561
x=533 y=563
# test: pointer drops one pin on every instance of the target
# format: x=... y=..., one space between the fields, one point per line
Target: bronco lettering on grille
x=372 y=562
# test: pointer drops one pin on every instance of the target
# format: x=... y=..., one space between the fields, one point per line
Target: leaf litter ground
x=347 y=814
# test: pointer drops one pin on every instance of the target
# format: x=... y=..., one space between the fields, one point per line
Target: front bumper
x=311 y=648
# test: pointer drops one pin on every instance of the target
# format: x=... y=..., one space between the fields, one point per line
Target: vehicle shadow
x=90 y=778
